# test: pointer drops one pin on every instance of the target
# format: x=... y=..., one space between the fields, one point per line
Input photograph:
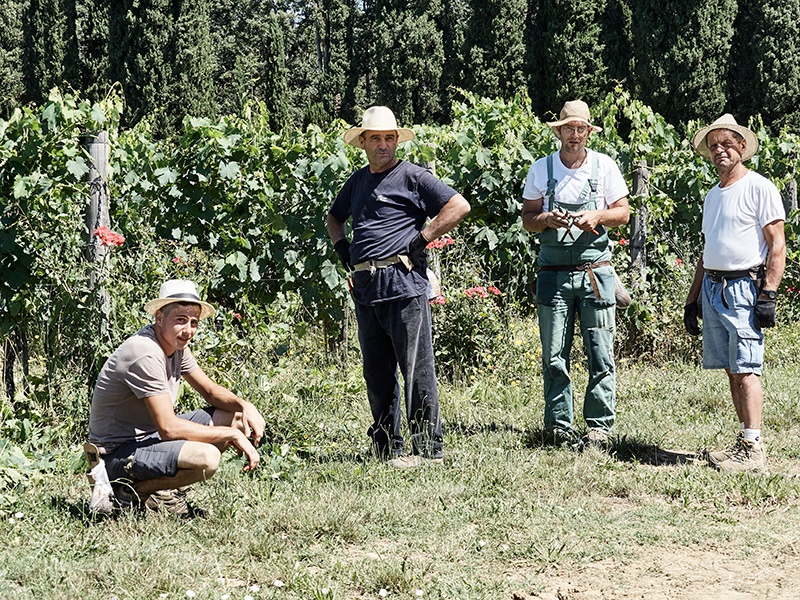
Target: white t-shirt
x=734 y=218
x=611 y=185
x=138 y=369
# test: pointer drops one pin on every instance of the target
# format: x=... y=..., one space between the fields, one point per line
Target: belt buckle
x=372 y=268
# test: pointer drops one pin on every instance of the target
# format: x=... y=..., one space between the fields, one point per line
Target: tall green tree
x=50 y=50
x=408 y=56
x=765 y=63
x=91 y=32
x=453 y=22
x=681 y=51
x=250 y=58
x=494 y=48
x=192 y=88
x=567 y=56
x=10 y=56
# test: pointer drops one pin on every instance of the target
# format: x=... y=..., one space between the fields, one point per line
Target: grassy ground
x=504 y=518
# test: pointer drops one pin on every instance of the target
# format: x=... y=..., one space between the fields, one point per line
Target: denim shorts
x=730 y=338
x=151 y=457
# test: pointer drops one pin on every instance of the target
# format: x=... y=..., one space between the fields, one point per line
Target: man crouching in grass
x=151 y=454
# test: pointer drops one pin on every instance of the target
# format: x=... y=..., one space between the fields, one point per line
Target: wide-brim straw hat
x=377 y=118
x=726 y=121
x=574 y=110
x=179 y=290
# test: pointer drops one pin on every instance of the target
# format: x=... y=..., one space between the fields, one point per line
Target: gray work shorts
x=151 y=457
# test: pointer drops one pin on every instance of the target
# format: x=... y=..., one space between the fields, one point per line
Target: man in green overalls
x=570 y=199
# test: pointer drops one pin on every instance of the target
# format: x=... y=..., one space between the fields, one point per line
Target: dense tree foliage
x=765 y=59
x=313 y=62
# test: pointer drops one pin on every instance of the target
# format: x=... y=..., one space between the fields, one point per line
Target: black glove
x=416 y=250
x=765 y=313
x=342 y=248
x=691 y=312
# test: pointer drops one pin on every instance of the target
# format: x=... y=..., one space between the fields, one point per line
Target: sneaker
x=595 y=438
x=412 y=461
x=748 y=458
x=720 y=456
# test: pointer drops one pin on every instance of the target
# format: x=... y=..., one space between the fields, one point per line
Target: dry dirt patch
x=681 y=574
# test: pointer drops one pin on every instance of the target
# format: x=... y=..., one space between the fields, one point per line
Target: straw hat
x=574 y=110
x=377 y=118
x=179 y=290
x=726 y=121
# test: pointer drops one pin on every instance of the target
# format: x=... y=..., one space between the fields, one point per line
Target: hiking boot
x=748 y=458
x=174 y=501
x=564 y=438
x=720 y=456
x=412 y=461
x=595 y=438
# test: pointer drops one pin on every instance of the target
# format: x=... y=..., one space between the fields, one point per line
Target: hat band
x=184 y=297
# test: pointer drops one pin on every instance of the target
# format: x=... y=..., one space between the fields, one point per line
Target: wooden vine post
x=97 y=216
x=639 y=221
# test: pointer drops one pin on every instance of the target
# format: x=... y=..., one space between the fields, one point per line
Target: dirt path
x=683 y=575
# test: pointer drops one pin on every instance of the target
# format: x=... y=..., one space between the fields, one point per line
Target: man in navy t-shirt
x=390 y=201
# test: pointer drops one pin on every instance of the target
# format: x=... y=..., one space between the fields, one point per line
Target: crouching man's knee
x=199 y=456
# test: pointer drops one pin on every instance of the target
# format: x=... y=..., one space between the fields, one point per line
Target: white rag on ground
x=102 y=493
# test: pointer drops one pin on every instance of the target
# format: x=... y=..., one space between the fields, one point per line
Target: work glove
x=342 y=248
x=765 y=313
x=416 y=250
x=691 y=312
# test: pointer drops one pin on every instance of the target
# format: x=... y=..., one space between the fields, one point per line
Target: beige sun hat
x=377 y=118
x=179 y=290
x=574 y=110
x=726 y=121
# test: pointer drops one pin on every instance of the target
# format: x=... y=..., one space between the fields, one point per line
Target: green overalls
x=575 y=276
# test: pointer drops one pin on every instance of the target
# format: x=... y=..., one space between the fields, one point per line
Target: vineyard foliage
x=241 y=210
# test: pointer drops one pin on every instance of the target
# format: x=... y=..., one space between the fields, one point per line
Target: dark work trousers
x=393 y=334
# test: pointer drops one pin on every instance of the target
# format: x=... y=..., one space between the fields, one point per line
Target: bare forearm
x=451 y=215
x=697 y=283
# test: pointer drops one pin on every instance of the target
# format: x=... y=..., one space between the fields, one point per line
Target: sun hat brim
x=700 y=144
x=351 y=135
x=555 y=124
x=206 y=310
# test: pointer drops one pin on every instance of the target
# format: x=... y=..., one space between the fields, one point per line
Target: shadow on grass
x=79 y=510
x=632 y=450
x=622 y=448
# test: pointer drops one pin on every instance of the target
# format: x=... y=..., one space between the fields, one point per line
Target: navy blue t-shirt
x=388 y=210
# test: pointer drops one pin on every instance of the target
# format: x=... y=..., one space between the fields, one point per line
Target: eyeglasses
x=580 y=130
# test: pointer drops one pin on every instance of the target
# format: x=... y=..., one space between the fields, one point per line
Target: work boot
x=750 y=457
x=595 y=438
x=562 y=438
x=720 y=456
x=174 y=501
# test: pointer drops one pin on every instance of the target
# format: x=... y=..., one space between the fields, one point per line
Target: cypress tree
x=50 y=51
x=141 y=34
x=10 y=56
x=91 y=31
x=494 y=48
x=681 y=50
x=408 y=54
x=250 y=58
x=192 y=88
x=453 y=23
x=567 y=53
x=765 y=63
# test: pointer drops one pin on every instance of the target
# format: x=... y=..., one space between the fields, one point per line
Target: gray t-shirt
x=138 y=369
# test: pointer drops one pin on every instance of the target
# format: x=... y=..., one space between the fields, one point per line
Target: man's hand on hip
x=416 y=250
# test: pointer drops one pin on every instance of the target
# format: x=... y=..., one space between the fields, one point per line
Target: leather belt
x=586 y=268
x=721 y=276
x=374 y=265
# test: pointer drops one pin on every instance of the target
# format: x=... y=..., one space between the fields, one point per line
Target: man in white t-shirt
x=570 y=199
x=738 y=276
x=145 y=446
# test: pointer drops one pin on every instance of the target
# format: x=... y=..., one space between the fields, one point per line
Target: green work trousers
x=560 y=296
